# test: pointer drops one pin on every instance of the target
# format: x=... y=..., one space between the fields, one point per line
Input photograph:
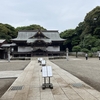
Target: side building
x=3 y=54
x=34 y=43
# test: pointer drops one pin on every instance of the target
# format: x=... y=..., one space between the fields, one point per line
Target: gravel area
x=13 y=65
x=5 y=84
x=86 y=70
x=10 y=66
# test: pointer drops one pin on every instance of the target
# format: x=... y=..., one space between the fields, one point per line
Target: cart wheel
x=43 y=87
x=51 y=87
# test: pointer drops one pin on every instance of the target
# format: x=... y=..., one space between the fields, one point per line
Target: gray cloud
x=51 y=14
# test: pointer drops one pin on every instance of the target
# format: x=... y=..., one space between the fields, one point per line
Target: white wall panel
x=53 y=48
x=24 y=49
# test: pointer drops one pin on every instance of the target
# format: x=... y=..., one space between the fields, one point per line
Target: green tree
x=89 y=41
x=94 y=49
x=76 y=49
x=30 y=27
x=92 y=19
x=68 y=35
x=7 y=32
x=85 y=50
x=96 y=32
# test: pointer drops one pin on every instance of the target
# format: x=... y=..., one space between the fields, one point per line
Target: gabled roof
x=1 y=41
x=26 y=36
x=39 y=34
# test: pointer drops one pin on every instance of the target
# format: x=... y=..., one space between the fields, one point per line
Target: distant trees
x=90 y=35
x=30 y=27
x=8 y=32
x=71 y=37
x=76 y=49
x=86 y=35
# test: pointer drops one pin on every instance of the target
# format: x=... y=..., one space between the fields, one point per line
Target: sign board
x=46 y=71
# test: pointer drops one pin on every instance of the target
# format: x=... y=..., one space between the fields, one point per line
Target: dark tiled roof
x=8 y=45
x=52 y=35
x=34 y=40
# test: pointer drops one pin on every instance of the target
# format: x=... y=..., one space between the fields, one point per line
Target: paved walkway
x=66 y=87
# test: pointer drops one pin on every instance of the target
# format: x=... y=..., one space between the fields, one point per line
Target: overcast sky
x=51 y=14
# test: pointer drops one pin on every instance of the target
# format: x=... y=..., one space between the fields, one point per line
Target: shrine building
x=34 y=43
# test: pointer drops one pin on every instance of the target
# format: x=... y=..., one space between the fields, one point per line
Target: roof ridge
x=37 y=31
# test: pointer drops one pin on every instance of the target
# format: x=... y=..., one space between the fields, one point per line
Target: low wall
x=20 y=58
x=83 y=54
x=79 y=53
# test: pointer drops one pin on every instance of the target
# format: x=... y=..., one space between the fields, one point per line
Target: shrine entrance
x=39 y=52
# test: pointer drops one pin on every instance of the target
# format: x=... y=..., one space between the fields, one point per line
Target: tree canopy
x=86 y=35
x=30 y=27
x=8 y=32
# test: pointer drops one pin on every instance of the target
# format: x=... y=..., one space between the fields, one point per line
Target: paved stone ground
x=5 y=68
x=86 y=70
x=65 y=85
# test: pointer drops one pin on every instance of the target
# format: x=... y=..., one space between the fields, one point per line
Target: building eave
x=34 y=40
